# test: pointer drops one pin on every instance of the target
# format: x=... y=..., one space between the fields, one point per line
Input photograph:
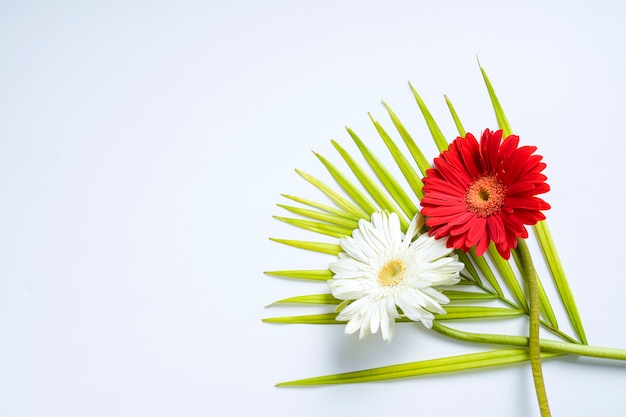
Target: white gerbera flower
x=381 y=270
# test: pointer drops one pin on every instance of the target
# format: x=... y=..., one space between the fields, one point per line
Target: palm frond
x=485 y=279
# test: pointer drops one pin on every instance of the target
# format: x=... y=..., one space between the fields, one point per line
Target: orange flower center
x=485 y=196
x=392 y=273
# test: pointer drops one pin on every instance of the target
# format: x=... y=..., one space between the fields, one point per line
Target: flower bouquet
x=451 y=247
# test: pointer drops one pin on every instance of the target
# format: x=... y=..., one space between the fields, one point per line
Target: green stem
x=533 y=332
x=522 y=341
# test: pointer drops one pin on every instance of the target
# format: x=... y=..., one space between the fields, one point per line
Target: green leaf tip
x=438 y=137
x=312 y=274
x=503 y=122
x=328 y=248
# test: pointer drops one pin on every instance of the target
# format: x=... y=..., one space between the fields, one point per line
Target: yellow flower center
x=485 y=196
x=392 y=273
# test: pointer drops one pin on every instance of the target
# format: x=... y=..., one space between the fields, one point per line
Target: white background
x=144 y=145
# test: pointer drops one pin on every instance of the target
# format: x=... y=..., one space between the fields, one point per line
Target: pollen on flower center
x=485 y=196
x=392 y=273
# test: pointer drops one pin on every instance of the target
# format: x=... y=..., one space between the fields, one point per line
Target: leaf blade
x=455 y=117
x=310 y=299
x=308 y=274
x=438 y=137
x=503 y=122
x=508 y=276
x=476 y=312
x=557 y=272
x=423 y=368
x=453 y=313
x=323 y=207
x=324 y=217
x=317 y=227
x=469 y=296
x=328 y=248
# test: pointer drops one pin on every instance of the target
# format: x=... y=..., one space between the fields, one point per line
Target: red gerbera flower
x=482 y=193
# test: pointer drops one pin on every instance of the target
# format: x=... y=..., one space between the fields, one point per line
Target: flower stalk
x=530 y=276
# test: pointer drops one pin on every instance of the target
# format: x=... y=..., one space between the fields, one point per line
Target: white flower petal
x=351 y=248
x=350 y=289
x=413 y=229
x=387 y=326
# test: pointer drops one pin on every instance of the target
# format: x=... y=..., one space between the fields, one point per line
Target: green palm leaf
x=508 y=276
x=310 y=274
x=503 y=122
x=455 y=117
x=469 y=296
x=323 y=207
x=318 y=227
x=438 y=137
x=329 y=248
x=324 y=217
x=329 y=299
x=422 y=368
x=310 y=299
x=453 y=313
x=558 y=274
